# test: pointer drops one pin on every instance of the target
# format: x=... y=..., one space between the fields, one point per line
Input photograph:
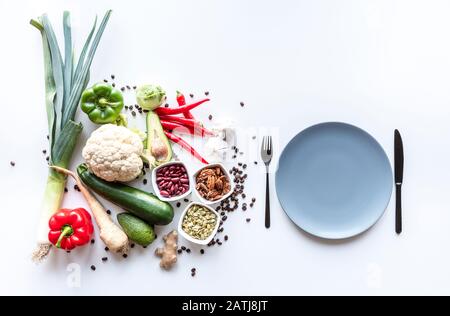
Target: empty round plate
x=334 y=180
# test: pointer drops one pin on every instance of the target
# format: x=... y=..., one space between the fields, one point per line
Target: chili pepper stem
x=66 y=232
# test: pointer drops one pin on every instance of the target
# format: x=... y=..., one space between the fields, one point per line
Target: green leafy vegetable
x=63 y=88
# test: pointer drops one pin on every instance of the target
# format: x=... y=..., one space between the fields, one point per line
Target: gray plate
x=334 y=180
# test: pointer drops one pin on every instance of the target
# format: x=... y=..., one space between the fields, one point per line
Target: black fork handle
x=267 y=219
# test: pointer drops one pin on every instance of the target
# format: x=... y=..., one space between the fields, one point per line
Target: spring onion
x=64 y=84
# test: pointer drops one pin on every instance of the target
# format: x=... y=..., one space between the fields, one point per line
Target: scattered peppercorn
x=254 y=137
x=188 y=250
x=92 y=241
x=225 y=237
x=242 y=104
x=108 y=212
x=93 y=267
x=145 y=181
x=44 y=151
x=191 y=95
x=106 y=249
x=186 y=200
x=132 y=245
x=76 y=188
x=202 y=251
x=183 y=248
x=210 y=117
x=128 y=87
x=113 y=85
x=166 y=105
x=178 y=204
x=47 y=158
x=65 y=190
x=248 y=220
x=133 y=113
x=125 y=256
x=122 y=89
x=179 y=251
x=255 y=162
x=134 y=87
x=104 y=259
x=206 y=93
x=105 y=80
x=113 y=77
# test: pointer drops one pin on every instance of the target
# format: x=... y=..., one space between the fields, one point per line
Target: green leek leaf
x=79 y=86
x=68 y=59
x=50 y=88
x=80 y=63
x=57 y=66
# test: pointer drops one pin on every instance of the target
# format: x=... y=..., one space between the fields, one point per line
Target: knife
x=399 y=160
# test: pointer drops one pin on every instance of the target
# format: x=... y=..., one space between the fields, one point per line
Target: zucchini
x=142 y=204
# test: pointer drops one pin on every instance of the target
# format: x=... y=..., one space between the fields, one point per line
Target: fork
x=266 y=156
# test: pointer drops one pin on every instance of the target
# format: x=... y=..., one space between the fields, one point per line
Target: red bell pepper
x=70 y=228
x=183 y=144
x=179 y=110
x=181 y=100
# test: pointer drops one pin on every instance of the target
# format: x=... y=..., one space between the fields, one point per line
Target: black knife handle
x=398 y=209
x=267 y=219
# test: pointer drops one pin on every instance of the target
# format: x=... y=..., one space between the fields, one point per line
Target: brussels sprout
x=149 y=97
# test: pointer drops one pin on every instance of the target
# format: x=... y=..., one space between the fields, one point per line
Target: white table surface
x=380 y=65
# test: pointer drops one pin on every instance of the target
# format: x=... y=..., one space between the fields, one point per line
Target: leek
x=63 y=87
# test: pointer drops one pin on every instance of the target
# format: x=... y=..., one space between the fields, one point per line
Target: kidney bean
x=172 y=180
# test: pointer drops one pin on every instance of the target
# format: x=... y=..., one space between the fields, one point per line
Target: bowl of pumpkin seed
x=198 y=223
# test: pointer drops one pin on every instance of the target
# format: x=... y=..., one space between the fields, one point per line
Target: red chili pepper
x=70 y=228
x=194 y=129
x=183 y=144
x=170 y=126
x=179 y=110
x=180 y=120
x=181 y=100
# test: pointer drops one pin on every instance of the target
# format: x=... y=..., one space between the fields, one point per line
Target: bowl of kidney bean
x=171 y=181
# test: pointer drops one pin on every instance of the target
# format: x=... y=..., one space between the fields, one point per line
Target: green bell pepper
x=102 y=103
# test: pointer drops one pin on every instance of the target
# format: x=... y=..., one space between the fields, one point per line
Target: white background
x=376 y=64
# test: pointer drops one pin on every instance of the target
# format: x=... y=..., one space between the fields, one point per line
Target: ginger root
x=168 y=253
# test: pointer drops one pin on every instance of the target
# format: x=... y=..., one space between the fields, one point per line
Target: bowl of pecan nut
x=212 y=183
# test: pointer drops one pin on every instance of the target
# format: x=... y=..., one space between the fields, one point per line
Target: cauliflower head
x=113 y=153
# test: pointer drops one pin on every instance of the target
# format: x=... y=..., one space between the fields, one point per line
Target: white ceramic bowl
x=192 y=239
x=226 y=173
x=155 y=186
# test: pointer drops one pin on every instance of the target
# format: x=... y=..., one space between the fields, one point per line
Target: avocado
x=136 y=229
x=158 y=149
